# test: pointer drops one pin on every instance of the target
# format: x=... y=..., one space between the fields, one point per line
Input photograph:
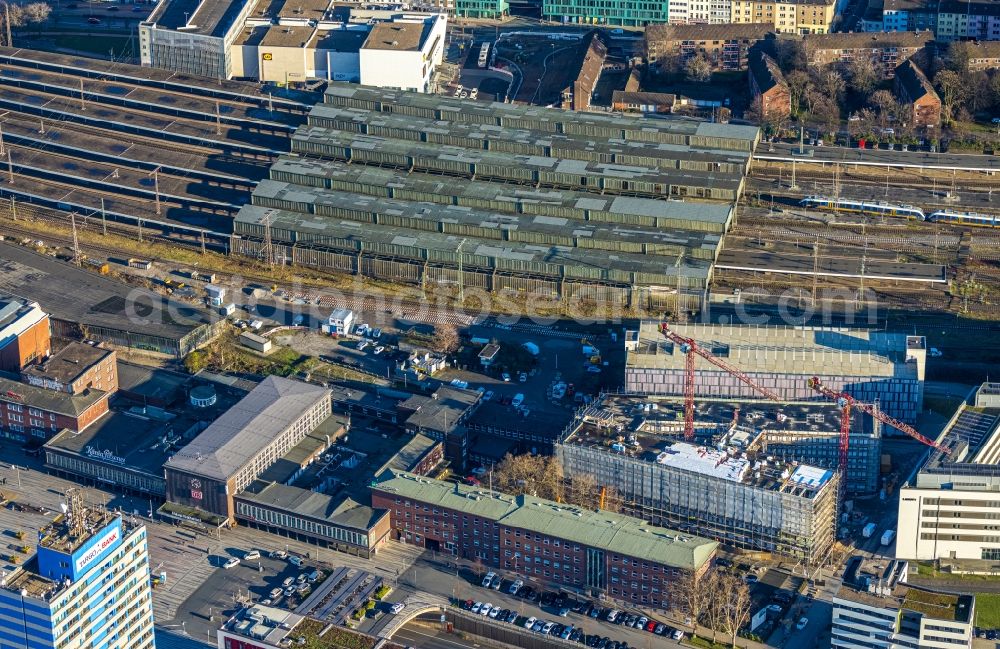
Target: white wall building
x=875 y=609
x=951 y=510
x=403 y=54
x=340 y=322
x=283 y=42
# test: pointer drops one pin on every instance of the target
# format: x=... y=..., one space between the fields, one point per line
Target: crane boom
x=691 y=348
x=846 y=399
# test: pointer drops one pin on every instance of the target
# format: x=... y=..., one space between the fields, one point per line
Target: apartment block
x=985 y=55
x=88 y=585
x=950 y=20
x=724 y=46
x=602 y=553
x=869 y=365
x=886 y=51
x=804 y=17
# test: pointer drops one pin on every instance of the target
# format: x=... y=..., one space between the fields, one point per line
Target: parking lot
x=564 y=616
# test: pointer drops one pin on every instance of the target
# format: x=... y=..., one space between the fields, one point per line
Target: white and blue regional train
x=879 y=208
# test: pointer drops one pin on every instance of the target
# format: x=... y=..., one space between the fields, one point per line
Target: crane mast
x=692 y=350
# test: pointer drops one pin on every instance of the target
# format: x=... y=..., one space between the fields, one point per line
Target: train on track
x=879 y=208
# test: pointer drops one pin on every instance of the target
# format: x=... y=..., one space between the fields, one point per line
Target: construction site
x=871 y=366
x=751 y=474
x=726 y=488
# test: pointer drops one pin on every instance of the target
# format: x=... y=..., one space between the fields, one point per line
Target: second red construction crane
x=691 y=349
x=846 y=403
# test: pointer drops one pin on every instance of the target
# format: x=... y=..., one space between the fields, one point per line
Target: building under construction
x=871 y=366
x=731 y=484
x=432 y=190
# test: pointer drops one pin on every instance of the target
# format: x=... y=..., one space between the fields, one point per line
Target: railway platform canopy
x=784 y=152
x=421 y=188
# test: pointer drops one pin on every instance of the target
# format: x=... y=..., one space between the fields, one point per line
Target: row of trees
x=720 y=600
x=542 y=477
x=15 y=14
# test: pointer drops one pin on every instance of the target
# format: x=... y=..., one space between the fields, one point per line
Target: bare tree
x=446 y=338
x=995 y=89
x=18 y=15
x=862 y=75
x=833 y=85
x=953 y=91
x=693 y=596
x=799 y=84
x=736 y=592
x=790 y=54
x=958 y=56
x=715 y=608
x=583 y=490
x=698 y=69
x=534 y=475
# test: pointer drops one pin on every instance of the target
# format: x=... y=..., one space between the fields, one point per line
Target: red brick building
x=768 y=85
x=542 y=541
x=74 y=369
x=915 y=90
x=884 y=50
x=29 y=412
x=24 y=333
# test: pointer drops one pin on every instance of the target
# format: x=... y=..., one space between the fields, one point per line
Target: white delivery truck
x=888 y=536
x=868 y=531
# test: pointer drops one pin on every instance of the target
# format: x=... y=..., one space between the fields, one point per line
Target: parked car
x=485 y=610
x=506 y=377
x=251 y=555
x=516 y=586
x=478 y=606
x=278 y=554
x=231 y=563
x=529 y=623
x=517 y=400
x=296 y=561
x=801 y=624
x=488 y=579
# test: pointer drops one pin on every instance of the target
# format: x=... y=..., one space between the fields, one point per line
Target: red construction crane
x=691 y=349
x=846 y=402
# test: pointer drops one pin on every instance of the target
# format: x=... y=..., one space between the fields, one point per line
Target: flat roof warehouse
x=106 y=309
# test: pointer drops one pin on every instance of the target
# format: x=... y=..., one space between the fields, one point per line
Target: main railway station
x=433 y=190
x=130 y=143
